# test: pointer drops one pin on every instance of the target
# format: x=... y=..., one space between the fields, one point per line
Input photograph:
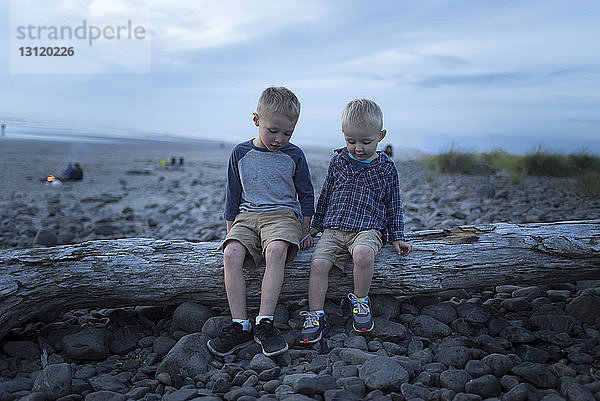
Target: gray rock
x=261 y=362
x=89 y=343
x=412 y=391
x=473 y=312
x=552 y=397
x=477 y=368
x=386 y=306
x=466 y=397
x=188 y=358
x=559 y=323
x=297 y=397
x=529 y=292
x=271 y=385
x=123 y=341
x=444 y=312
x=388 y=330
x=33 y=397
x=492 y=344
x=45 y=237
x=533 y=354
x=54 y=381
x=427 y=326
x=558 y=295
x=486 y=386
x=212 y=326
x=560 y=339
x=190 y=317
x=508 y=381
x=576 y=392
x=269 y=374
x=18 y=383
x=465 y=327
x=183 y=394
x=537 y=374
x=106 y=382
x=383 y=373
x=235 y=394
x=522 y=392
x=22 y=349
x=454 y=379
x=456 y=356
x=357 y=342
x=516 y=304
x=517 y=334
x=353 y=356
x=499 y=364
x=351 y=384
x=162 y=345
x=341 y=395
x=314 y=384
x=104 y=396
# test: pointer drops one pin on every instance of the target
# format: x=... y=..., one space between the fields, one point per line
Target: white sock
x=259 y=318
x=244 y=322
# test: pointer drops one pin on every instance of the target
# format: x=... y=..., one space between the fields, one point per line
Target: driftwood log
x=139 y=271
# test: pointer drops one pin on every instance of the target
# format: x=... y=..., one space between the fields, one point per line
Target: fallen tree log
x=140 y=271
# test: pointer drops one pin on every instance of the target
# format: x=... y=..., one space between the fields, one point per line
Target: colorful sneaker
x=269 y=338
x=362 y=319
x=231 y=338
x=314 y=327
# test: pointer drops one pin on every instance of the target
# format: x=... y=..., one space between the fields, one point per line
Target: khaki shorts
x=255 y=230
x=337 y=246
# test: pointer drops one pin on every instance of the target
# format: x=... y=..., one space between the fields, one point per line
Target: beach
x=509 y=342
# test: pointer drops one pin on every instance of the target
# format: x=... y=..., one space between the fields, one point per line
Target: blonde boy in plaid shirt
x=359 y=210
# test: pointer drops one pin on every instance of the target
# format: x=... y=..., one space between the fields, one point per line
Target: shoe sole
x=363 y=330
x=274 y=353
x=239 y=346
x=321 y=334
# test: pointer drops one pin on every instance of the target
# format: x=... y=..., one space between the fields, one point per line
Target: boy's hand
x=306 y=234
x=402 y=247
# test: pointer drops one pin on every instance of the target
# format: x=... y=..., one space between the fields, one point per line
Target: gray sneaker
x=314 y=327
x=362 y=319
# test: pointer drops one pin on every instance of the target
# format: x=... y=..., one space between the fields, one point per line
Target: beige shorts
x=337 y=246
x=255 y=230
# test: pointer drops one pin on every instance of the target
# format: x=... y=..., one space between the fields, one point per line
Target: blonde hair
x=278 y=100
x=362 y=113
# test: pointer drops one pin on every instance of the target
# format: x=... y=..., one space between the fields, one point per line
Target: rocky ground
x=505 y=343
x=493 y=343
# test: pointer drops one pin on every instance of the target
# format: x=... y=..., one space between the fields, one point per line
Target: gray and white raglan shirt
x=259 y=180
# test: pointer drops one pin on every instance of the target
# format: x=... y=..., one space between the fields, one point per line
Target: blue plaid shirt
x=355 y=201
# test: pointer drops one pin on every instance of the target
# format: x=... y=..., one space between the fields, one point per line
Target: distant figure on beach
x=163 y=162
x=3 y=129
x=173 y=161
x=389 y=151
x=181 y=162
x=71 y=173
x=77 y=172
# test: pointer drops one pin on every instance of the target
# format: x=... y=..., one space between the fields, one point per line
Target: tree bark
x=140 y=271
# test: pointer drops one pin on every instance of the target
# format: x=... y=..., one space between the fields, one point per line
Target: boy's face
x=362 y=142
x=274 y=130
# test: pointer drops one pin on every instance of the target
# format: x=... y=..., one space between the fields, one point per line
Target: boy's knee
x=233 y=252
x=363 y=256
x=320 y=265
x=276 y=249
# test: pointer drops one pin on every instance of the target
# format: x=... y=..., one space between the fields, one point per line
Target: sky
x=473 y=75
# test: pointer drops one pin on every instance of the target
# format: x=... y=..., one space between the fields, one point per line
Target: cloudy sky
x=477 y=74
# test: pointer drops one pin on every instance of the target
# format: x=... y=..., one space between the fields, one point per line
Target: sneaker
x=362 y=319
x=231 y=338
x=269 y=338
x=314 y=327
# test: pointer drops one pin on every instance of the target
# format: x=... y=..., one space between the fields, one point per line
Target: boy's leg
x=318 y=282
x=233 y=336
x=364 y=260
x=315 y=321
x=270 y=339
x=235 y=284
x=275 y=255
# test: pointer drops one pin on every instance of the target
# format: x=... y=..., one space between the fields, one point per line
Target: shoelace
x=229 y=332
x=311 y=318
x=265 y=327
x=362 y=306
